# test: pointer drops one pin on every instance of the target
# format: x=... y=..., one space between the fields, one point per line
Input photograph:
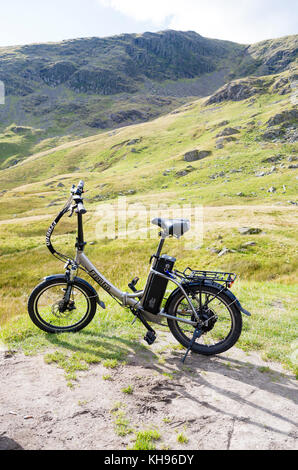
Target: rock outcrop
x=288 y=116
x=237 y=90
x=57 y=73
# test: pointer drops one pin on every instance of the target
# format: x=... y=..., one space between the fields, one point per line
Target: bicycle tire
x=48 y=327
x=207 y=350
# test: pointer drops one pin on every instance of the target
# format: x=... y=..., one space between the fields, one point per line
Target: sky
x=242 y=21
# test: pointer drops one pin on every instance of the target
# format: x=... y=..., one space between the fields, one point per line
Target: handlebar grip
x=81 y=185
x=80 y=208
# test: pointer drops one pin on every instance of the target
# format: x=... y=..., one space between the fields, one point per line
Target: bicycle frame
x=133 y=300
x=130 y=299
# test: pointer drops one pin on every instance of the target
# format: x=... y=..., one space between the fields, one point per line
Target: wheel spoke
x=215 y=316
x=49 y=306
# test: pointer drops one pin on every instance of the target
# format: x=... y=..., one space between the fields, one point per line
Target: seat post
x=160 y=245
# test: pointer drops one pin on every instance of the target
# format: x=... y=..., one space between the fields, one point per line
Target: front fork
x=70 y=272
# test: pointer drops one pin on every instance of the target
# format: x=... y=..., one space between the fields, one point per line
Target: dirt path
x=232 y=401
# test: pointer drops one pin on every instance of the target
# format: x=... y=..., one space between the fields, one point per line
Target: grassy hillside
x=246 y=178
x=245 y=138
x=57 y=92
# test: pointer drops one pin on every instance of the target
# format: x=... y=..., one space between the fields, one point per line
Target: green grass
x=267 y=270
x=121 y=422
x=128 y=390
x=182 y=438
x=107 y=343
x=107 y=377
x=111 y=363
x=145 y=440
x=110 y=337
x=272 y=330
x=167 y=420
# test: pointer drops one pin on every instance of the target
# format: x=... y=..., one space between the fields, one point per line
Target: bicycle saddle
x=175 y=227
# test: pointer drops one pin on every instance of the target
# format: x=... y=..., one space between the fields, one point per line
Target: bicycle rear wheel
x=222 y=319
x=47 y=309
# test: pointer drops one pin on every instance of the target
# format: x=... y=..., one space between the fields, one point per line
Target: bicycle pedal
x=150 y=337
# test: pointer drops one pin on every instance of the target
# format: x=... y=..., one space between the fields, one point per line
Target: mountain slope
x=79 y=87
x=233 y=131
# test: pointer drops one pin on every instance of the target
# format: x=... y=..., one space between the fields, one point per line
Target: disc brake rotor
x=207 y=316
x=56 y=309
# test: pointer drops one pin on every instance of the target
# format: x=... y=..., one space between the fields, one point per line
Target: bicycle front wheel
x=48 y=311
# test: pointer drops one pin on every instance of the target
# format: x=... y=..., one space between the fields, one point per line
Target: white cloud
x=244 y=21
x=153 y=10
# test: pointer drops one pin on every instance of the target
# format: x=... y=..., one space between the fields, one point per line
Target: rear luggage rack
x=196 y=275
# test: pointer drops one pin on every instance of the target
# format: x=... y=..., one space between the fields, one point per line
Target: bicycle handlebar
x=77 y=192
x=81 y=186
x=76 y=196
x=79 y=189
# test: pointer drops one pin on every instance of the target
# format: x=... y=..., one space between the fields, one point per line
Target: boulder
x=224 y=251
x=223 y=123
x=184 y=172
x=194 y=155
x=248 y=244
x=224 y=140
x=217 y=175
x=133 y=141
x=273 y=159
x=272 y=134
x=227 y=131
x=20 y=129
x=167 y=171
x=249 y=230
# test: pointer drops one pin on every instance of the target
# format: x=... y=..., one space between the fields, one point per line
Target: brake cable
x=51 y=229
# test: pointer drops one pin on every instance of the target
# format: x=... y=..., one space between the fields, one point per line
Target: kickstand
x=197 y=333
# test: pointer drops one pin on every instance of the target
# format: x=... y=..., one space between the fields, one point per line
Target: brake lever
x=71 y=209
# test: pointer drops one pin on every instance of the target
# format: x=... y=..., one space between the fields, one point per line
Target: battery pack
x=156 y=285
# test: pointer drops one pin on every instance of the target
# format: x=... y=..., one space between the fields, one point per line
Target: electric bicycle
x=201 y=312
